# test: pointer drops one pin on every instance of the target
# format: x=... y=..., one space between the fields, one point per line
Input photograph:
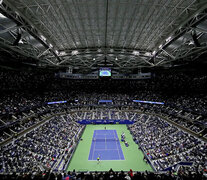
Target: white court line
x=121 y=149
x=105 y=143
x=105 y=149
x=117 y=146
x=94 y=145
x=108 y=160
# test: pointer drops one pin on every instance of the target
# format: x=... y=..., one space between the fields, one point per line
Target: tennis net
x=105 y=139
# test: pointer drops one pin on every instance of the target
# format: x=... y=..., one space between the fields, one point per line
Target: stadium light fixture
x=21 y=42
x=62 y=53
x=136 y=53
x=16 y=13
x=190 y=43
x=168 y=39
x=43 y=38
x=147 y=54
x=2 y=16
x=74 y=52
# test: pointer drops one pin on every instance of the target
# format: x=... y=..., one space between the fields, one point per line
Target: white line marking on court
x=121 y=150
x=105 y=149
x=107 y=160
x=105 y=143
x=117 y=146
x=94 y=146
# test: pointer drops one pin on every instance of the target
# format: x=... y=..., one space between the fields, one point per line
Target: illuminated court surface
x=105 y=144
x=84 y=160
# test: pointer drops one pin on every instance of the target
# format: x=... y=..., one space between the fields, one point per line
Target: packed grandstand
x=40 y=137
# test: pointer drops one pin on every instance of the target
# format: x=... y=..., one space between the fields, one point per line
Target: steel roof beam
x=26 y=26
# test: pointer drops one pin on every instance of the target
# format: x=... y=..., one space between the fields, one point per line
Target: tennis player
x=98 y=159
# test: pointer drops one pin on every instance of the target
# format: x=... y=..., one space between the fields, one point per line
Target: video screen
x=104 y=72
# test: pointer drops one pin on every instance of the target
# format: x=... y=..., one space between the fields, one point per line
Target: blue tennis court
x=106 y=144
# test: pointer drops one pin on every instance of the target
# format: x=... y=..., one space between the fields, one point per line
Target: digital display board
x=150 y=102
x=104 y=72
x=57 y=102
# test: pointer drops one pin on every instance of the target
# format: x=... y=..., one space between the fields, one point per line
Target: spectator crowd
x=47 y=146
x=165 y=145
x=24 y=97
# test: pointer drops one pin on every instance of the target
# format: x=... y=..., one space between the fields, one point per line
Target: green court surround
x=133 y=156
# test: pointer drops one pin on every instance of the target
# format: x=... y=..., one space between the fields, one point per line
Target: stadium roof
x=86 y=34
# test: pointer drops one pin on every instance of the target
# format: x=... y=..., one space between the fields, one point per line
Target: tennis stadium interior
x=103 y=89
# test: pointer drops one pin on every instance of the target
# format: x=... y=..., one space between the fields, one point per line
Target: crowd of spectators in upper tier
x=19 y=123
x=21 y=91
